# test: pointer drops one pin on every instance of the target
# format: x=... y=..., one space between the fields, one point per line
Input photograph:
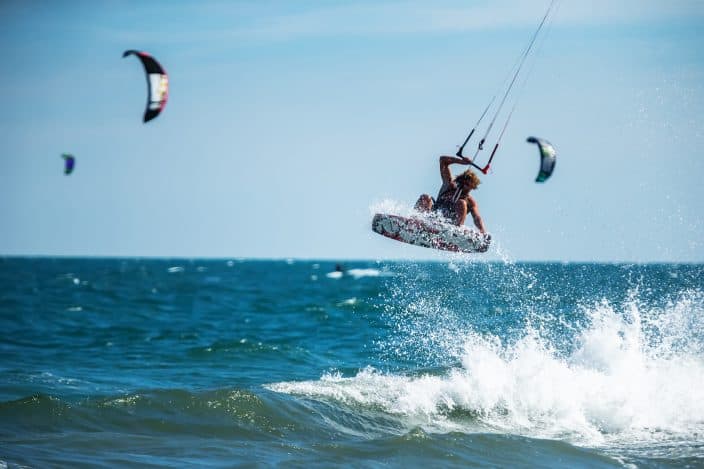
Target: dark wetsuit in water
x=445 y=202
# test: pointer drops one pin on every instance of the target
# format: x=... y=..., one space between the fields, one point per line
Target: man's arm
x=473 y=209
x=445 y=162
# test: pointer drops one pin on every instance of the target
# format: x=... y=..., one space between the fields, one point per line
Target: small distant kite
x=547 y=157
x=69 y=163
x=157 y=84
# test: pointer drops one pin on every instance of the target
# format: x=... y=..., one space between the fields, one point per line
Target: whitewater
x=335 y=363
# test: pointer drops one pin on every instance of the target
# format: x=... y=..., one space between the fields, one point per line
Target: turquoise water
x=220 y=363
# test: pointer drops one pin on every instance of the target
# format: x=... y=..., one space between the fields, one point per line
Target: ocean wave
x=223 y=413
x=631 y=378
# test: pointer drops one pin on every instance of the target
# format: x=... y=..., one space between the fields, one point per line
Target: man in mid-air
x=453 y=201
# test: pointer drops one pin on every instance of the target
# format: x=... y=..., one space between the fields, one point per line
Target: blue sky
x=289 y=123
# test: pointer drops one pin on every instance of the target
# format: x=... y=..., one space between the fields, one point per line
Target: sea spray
x=430 y=310
x=615 y=374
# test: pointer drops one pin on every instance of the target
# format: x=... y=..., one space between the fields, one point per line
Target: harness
x=445 y=204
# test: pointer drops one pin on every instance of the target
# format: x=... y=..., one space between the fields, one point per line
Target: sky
x=289 y=124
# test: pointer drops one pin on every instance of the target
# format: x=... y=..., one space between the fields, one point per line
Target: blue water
x=221 y=363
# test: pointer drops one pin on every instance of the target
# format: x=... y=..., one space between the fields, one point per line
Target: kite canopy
x=547 y=157
x=157 y=84
x=69 y=163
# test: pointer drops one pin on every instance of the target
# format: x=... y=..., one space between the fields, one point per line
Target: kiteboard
x=430 y=232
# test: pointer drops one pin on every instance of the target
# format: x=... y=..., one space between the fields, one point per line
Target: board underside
x=430 y=233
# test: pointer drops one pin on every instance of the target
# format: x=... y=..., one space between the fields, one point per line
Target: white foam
x=359 y=273
x=631 y=376
x=349 y=302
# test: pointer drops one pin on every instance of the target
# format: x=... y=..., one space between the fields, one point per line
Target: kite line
x=485 y=169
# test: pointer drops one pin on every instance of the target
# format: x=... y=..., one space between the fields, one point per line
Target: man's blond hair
x=470 y=176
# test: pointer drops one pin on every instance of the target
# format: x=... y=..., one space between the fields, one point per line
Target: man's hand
x=487 y=242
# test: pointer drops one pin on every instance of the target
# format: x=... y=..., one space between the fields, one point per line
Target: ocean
x=258 y=363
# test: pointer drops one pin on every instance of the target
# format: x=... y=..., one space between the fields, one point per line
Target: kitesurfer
x=453 y=200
